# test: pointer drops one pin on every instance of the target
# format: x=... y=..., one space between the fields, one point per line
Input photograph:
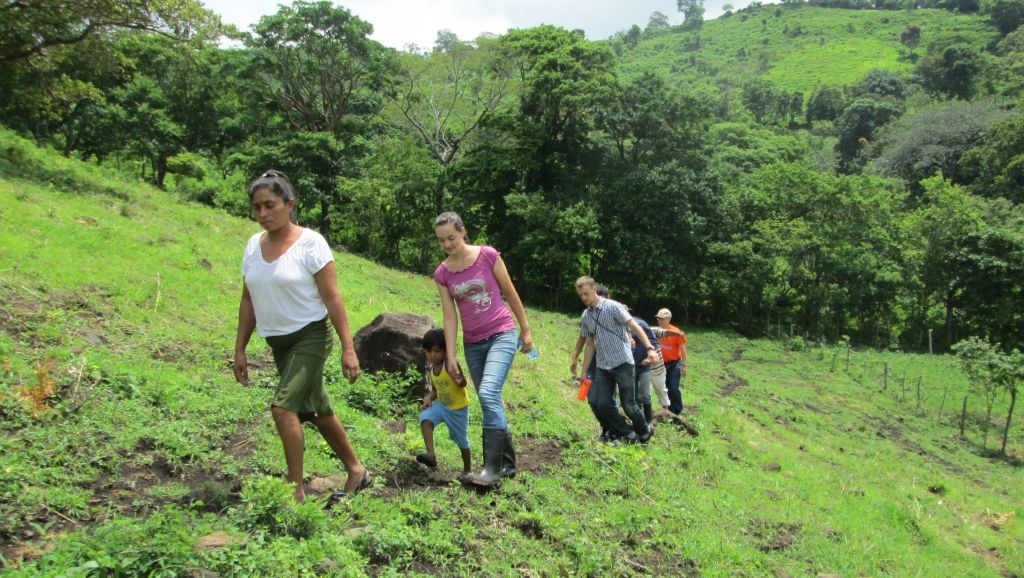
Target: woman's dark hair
x=276 y=182
x=449 y=218
x=434 y=338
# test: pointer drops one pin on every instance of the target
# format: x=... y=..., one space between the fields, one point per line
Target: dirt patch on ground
x=23 y=312
x=660 y=564
x=772 y=536
x=893 y=432
x=534 y=455
x=173 y=353
x=735 y=382
x=135 y=491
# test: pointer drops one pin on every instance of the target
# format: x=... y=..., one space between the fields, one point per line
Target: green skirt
x=300 y=359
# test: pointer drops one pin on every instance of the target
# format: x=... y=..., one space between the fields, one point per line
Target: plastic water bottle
x=533 y=353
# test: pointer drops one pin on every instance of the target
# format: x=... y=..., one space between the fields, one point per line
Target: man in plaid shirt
x=605 y=324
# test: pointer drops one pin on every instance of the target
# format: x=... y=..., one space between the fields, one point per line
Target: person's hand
x=453 y=369
x=527 y=338
x=350 y=365
x=241 y=368
x=682 y=370
x=573 y=366
x=652 y=357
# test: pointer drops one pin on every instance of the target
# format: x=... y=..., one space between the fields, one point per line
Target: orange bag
x=584 y=389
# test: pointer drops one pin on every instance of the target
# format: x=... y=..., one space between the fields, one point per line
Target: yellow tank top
x=448 y=391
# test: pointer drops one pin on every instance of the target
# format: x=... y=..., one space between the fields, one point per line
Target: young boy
x=446 y=402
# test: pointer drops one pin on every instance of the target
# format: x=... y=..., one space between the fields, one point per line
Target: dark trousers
x=672 y=375
x=603 y=388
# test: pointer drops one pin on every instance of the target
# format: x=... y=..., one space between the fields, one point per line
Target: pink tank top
x=476 y=293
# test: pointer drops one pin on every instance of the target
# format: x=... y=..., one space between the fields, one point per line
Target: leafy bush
x=268 y=506
x=381 y=395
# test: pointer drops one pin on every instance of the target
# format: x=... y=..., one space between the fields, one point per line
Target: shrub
x=268 y=506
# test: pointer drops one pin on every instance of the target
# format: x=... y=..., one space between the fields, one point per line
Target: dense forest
x=827 y=169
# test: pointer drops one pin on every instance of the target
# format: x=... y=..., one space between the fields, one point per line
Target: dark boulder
x=393 y=342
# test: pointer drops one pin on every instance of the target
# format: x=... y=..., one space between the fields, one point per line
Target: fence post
x=963 y=416
x=945 y=389
x=903 y=386
x=885 y=376
x=919 y=378
x=930 y=352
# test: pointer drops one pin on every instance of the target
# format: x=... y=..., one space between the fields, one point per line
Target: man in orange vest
x=673 y=350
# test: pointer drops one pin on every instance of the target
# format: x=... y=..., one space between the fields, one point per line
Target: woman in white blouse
x=290 y=292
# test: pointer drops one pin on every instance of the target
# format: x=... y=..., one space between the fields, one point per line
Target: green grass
x=833 y=47
x=807 y=466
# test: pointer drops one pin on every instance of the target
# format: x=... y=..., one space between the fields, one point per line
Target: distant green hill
x=797 y=47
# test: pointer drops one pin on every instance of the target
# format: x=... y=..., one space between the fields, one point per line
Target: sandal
x=339 y=495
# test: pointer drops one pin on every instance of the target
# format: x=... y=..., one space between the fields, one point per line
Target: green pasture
x=146 y=458
x=797 y=48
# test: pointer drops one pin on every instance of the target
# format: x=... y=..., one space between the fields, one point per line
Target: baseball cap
x=664 y=313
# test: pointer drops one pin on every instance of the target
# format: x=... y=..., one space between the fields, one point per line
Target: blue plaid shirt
x=607 y=323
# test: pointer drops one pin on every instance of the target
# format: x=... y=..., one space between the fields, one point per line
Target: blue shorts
x=456 y=419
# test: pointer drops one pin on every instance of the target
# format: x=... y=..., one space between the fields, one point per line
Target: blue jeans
x=603 y=388
x=489 y=362
x=672 y=375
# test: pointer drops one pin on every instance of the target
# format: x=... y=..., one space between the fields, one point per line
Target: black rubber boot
x=647 y=413
x=494 y=455
x=508 y=462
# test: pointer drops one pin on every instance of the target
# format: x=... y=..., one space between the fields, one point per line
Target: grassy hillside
x=143 y=457
x=797 y=47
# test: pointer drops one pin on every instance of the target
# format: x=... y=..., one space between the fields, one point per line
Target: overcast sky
x=397 y=23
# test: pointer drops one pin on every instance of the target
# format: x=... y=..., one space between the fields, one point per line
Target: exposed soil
x=772 y=536
x=173 y=352
x=735 y=383
x=893 y=432
x=127 y=494
x=534 y=455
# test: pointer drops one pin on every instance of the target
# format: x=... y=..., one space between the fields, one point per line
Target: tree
x=827 y=102
x=319 y=69
x=881 y=83
x=1005 y=15
x=951 y=71
x=30 y=28
x=693 y=13
x=657 y=141
x=990 y=371
x=759 y=96
x=632 y=36
x=995 y=168
x=446 y=41
x=1008 y=372
x=990 y=262
x=946 y=216
x=856 y=129
x=934 y=140
x=657 y=22
x=911 y=37
x=445 y=99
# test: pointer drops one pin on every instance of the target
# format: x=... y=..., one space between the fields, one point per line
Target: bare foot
x=357 y=480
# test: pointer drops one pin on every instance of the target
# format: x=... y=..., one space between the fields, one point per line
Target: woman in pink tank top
x=474 y=286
